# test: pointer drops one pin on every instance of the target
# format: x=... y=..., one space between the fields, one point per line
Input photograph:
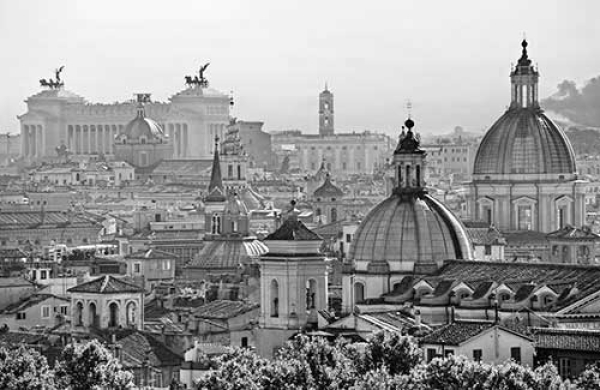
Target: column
x=171 y=136
x=176 y=146
x=42 y=148
x=186 y=142
x=24 y=140
x=78 y=139
x=33 y=141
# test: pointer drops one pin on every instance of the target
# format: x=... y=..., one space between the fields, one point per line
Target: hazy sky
x=451 y=58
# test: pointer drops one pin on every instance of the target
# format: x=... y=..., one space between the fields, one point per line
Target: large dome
x=142 y=126
x=408 y=231
x=524 y=141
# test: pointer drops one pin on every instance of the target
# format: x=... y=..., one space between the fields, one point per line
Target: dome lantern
x=409 y=161
x=524 y=82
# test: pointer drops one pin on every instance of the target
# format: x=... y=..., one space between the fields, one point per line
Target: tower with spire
x=326 y=113
x=215 y=199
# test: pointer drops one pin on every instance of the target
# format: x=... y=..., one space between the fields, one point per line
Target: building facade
x=56 y=116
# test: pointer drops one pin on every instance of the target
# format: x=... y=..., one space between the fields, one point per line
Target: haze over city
x=276 y=56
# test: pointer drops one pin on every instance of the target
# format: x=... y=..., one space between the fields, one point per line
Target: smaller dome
x=328 y=190
x=142 y=126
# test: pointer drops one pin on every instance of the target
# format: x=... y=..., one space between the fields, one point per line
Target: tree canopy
x=385 y=362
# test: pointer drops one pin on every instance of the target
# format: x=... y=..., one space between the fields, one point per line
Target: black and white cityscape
x=299 y=195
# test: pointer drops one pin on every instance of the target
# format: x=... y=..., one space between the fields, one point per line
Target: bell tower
x=326 y=113
x=524 y=82
x=293 y=283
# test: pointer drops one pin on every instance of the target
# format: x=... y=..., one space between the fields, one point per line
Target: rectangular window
x=137 y=267
x=488 y=250
x=477 y=354
x=348 y=238
x=525 y=217
x=63 y=309
x=431 y=352
x=564 y=367
x=448 y=352
x=45 y=311
x=43 y=275
x=515 y=354
x=21 y=316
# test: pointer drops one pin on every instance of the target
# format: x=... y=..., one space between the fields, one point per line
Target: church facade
x=525 y=176
x=55 y=116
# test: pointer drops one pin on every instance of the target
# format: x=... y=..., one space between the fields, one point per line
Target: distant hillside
x=584 y=141
x=581 y=106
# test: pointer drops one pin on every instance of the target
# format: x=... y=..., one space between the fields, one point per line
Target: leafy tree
x=589 y=379
x=24 y=369
x=399 y=354
x=91 y=366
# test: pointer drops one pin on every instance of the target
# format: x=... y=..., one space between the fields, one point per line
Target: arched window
x=311 y=294
x=131 y=314
x=318 y=212
x=418 y=175
x=359 y=292
x=408 y=175
x=399 y=175
x=113 y=309
x=215 y=227
x=93 y=316
x=274 y=298
x=239 y=172
x=79 y=314
x=333 y=214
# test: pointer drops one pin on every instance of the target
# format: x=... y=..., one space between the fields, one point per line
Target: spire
x=326 y=88
x=409 y=162
x=216 y=193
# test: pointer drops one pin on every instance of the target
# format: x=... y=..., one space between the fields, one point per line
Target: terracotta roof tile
x=107 y=284
x=567 y=339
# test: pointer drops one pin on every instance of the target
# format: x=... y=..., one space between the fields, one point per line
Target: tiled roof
x=137 y=346
x=573 y=233
x=486 y=236
x=456 y=333
x=567 y=339
x=107 y=284
x=525 y=238
x=223 y=254
x=442 y=287
x=481 y=289
x=20 y=219
x=224 y=309
x=525 y=277
x=28 y=302
x=293 y=230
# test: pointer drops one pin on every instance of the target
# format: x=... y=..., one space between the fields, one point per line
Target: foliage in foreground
x=392 y=363
x=80 y=367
